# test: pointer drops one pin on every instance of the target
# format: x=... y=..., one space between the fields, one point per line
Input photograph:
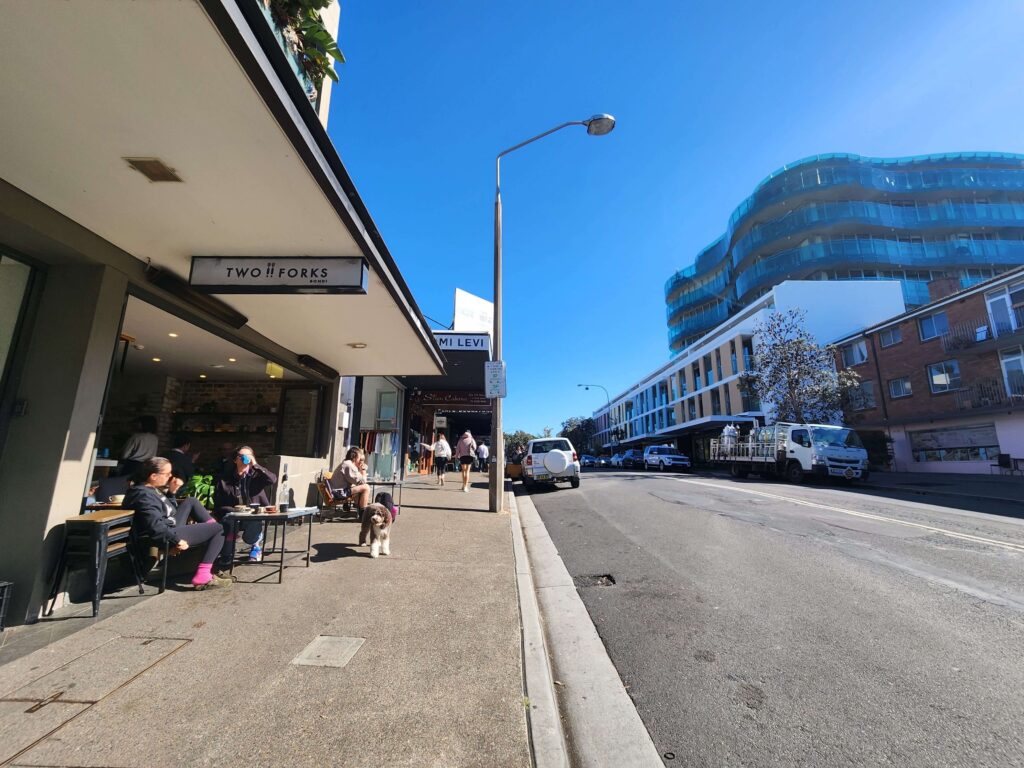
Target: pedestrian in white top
x=465 y=450
x=483 y=453
x=442 y=452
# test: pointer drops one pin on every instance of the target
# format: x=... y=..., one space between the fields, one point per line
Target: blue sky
x=710 y=98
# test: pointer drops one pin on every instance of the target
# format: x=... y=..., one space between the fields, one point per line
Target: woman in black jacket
x=160 y=519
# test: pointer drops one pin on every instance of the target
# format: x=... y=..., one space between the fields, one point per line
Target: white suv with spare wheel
x=551 y=460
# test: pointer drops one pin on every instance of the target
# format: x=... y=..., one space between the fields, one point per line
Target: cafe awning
x=202 y=88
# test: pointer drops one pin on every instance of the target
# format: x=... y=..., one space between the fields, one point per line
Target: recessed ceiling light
x=202 y=375
x=156 y=359
x=358 y=345
x=173 y=335
x=232 y=360
x=217 y=365
x=273 y=376
x=153 y=168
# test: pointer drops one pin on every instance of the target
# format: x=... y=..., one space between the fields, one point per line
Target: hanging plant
x=309 y=38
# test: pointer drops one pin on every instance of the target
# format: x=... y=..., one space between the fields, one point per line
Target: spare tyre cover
x=556 y=462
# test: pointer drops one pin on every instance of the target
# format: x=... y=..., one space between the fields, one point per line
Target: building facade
x=688 y=400
x=845 y=217
x=207 y=145
x=943 y=384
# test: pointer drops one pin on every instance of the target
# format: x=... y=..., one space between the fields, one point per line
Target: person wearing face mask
x=163 y=521
x=245 y=482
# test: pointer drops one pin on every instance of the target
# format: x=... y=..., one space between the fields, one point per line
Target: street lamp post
x=598 y=125
x=587 y=387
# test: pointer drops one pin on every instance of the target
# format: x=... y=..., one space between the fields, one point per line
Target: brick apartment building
x=943 y=384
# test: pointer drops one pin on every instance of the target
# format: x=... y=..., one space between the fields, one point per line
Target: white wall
x=838 y=308
x=1009 y=432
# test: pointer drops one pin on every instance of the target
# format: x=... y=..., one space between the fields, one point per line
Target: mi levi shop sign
x=227 y=274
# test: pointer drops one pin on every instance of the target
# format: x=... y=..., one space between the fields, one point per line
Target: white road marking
x=867 y=515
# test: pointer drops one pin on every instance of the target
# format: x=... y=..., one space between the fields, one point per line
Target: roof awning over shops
x=465 y=355
x=89 y=83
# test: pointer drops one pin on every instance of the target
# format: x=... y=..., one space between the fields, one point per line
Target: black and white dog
x=376 y=524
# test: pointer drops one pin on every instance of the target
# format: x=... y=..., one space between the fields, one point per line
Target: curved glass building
x=843 y=217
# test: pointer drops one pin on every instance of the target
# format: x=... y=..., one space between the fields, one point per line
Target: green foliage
x=201 y=487
x=315 y=46
x=515 y=442
x=580 y=430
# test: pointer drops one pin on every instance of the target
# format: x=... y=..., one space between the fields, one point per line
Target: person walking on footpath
x=465 y=451
x=442 y=452
x=483 y=453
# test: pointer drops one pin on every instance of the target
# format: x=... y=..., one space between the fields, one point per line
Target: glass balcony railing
x=963 y=171
x=877 y=252
x=861 y=215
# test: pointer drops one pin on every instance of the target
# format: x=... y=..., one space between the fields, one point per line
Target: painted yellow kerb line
x=867 y=515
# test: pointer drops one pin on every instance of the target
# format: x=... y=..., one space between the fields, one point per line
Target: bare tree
x=793 y=376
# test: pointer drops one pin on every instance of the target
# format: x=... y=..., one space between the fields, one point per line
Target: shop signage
x=472 y=313
x=440 y=422
x=466 y=342
x=229 y=274
x=494 y=379
x=454 y=398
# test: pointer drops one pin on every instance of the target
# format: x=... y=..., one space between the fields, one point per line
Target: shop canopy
x=201 y=87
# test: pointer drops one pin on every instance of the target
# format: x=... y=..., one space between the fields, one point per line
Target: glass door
x=999 y=312
x=1013 y=372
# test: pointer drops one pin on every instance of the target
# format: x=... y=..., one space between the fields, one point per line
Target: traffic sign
x=494 y=379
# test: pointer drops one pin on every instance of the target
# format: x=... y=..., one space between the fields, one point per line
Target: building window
x=691 y=408
x=900 y=387
x=732 y=356
x=718 y=364
x=890 y=336
x=1012 y=361
x=855 y=353
x=728 y=401
x=933 y=326
x=977 y=442
x=716 y=403
x=863 y=397
x=944 y=376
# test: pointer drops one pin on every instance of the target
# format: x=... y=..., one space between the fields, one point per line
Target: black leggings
x=202 y=531
x=441 y=465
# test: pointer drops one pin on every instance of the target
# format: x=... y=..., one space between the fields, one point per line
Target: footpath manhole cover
x=329 y=651
x=598 y=580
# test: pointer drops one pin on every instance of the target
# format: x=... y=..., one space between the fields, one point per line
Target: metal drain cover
x=329 y=651
x=599 y=580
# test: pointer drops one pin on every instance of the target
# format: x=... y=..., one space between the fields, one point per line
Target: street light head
x=599 y=125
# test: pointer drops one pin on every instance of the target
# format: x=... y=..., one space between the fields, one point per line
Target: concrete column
x=49 y=449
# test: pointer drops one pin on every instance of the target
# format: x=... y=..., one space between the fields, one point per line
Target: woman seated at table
x=350 y=478
x=163 y=521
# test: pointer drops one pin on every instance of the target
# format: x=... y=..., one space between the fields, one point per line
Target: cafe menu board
x=974 y=436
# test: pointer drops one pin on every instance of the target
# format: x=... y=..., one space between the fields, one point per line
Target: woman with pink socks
x=161 y=520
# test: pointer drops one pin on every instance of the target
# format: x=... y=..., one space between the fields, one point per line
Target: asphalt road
x=763 y=624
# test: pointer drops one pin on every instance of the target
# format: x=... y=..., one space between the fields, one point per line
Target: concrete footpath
x=427 y=645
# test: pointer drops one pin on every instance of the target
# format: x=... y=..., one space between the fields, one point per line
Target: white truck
x=793 y=451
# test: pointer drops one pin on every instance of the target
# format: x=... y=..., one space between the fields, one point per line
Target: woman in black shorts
x=465 y=450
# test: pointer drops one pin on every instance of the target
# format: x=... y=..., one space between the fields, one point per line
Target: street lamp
x=598 y=125
x=587 y=387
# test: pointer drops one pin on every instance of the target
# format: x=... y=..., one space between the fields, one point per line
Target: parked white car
x=664 y=457
x=551 y=460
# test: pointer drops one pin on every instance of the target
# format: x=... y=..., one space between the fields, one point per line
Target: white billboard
x=472 y=314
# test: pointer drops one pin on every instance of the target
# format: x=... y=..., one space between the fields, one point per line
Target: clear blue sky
x=710 y=98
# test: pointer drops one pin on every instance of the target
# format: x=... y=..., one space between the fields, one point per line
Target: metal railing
x=967 y=334
x=989 y=393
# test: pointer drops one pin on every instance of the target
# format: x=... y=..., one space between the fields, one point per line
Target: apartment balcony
x=982 y=335
x=989 y=394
